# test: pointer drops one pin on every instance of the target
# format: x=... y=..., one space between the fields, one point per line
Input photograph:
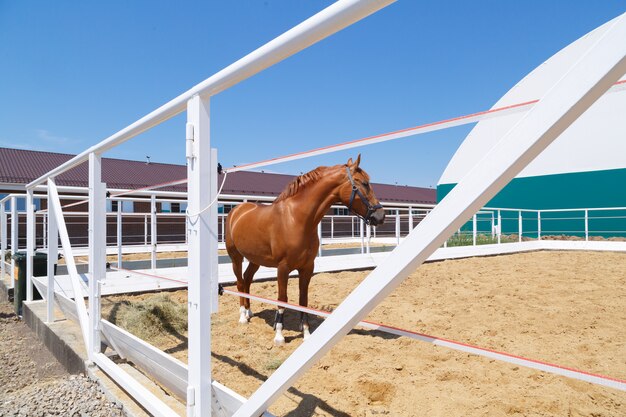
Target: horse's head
x=358 y=196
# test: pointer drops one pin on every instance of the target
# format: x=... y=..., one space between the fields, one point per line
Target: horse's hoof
x=306 y=335
x=243 y=320
x=279 y=341
x=249 y=314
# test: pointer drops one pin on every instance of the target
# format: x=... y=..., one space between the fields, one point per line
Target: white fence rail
x=577 y=90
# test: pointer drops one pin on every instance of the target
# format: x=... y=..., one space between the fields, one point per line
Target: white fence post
x=319 y=236
x=3 y=237
x=519 y=225
x=15 y=244
x=499 y=227
x=474 y=230
x=410 y=219
x=201 y=176
x=153 y=232
x=397 y=227
x=538 y=224
x=44 y=230
x=53 y=252
x=118 y=223
x=332 y=227
x=361 y=232
x=368 y=229
x=30 y=243
x=145 y=230
x=223 y=226
x=586 y=225
x=97 y=248
x=352 y=225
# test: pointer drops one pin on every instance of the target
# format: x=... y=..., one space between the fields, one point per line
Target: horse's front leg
x=283 y=277
x=305 y=278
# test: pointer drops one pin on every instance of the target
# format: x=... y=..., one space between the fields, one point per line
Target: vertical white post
x=493 y=225
x=319 y=236
x=397 y=227
x=153 y=232
x=332 y=227
x=474 y=230
x=213 y=235
x=201 y=176
x=410 y=219
x=352 y=225
x=30 y=243
x=15 y=244
x=3 y=241
x=44 y=229
x=223 y=226
x=538 y=225
x=361 y=227
x=519 y=225
x=145 y=230
x=97 y=248
x=53 y=251
x=369 y=237
x=499 y=227
x=118 y=223
x=586 y=225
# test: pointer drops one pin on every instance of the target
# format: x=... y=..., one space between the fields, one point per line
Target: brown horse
x=284 y=234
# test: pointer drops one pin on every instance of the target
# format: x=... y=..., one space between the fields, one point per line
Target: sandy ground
x=567 y=308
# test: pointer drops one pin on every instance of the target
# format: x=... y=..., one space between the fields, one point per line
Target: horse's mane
x=300 y=183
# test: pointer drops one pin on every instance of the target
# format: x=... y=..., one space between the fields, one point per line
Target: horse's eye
x=366 y=184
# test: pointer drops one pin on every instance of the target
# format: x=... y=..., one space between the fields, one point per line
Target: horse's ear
x=358 y=161
x=349 y=162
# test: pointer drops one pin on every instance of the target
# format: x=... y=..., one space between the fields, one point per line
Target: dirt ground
x=33 y=383
x=567 y=308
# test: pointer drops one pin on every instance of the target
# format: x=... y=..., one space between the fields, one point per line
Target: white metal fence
x=593 y=74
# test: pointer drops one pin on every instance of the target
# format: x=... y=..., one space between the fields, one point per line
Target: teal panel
x=574 y=190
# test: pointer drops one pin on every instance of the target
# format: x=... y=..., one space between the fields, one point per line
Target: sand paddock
x=568 y=308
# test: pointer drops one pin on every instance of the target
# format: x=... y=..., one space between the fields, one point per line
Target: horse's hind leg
x=247 y=280
x=237 y=260
x=305 y=275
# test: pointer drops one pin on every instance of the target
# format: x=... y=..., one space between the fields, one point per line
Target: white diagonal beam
x=69 y=261
x=571 y=96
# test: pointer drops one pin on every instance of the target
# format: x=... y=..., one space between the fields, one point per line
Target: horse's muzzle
x=377 y=218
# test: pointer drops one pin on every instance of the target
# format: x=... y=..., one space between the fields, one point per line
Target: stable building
x=19 y=167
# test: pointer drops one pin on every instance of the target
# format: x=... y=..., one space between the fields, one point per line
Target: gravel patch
x=33 y=383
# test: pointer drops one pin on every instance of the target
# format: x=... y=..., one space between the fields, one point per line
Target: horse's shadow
x=292 y=322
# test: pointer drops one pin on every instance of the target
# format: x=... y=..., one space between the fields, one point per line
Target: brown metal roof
x=19 y=166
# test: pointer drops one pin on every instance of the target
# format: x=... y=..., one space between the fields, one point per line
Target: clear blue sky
x=74 y=72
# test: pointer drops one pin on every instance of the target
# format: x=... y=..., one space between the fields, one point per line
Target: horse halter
x=355 y=191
